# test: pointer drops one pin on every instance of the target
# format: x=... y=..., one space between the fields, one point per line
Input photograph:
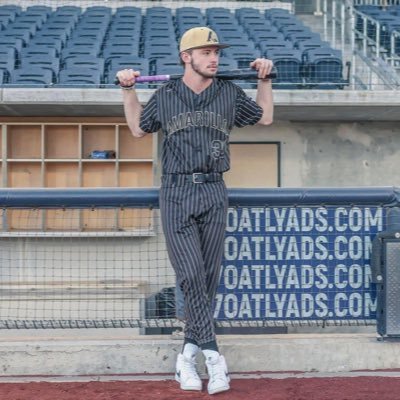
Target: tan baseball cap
x=199 y=37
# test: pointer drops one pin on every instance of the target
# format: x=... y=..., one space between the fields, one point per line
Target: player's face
x=205 y=61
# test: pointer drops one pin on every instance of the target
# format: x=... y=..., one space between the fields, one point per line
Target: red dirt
x=359 y=388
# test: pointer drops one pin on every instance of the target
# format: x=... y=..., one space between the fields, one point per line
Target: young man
x=196 y=114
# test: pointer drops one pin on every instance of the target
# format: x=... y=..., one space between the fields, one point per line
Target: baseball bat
x=234 y=74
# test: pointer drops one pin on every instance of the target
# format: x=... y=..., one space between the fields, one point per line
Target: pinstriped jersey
x=196 y=127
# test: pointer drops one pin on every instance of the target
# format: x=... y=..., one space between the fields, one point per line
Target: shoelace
x=189 y=366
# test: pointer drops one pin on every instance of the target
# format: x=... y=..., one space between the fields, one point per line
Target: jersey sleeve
x=149 y=121
x=247 y=111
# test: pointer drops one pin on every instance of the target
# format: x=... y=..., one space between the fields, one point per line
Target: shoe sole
x=219 y=390
x=191 y=388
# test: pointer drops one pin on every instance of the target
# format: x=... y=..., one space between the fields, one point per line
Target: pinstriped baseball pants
x=194 y=219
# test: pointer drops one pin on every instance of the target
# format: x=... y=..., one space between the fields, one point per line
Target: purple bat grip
x=153 y=78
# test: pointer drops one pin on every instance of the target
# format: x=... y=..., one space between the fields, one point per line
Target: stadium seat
x=23 y=34
x=3 y=77
x=38 y=51
x=57 y=33
x=51 y=63
x=31 y=77
x=11 y=11
x=324 y=68
x=7 y=59
x=10 y=41
x=98 y=10
x=306 y=45
x=111 y=52
x=79 y=77
x=77 y=52
x=167 y=66
x=88 y=62
x=242 y=55
x=161 y=50
x=128 y=10
x=289 y=64
x=131 y=62
x=124 y=30
x=267 y=46
x=297 y=37
x=85 y=43
x=47 y=42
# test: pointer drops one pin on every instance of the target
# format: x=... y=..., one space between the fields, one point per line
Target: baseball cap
x=198 y=37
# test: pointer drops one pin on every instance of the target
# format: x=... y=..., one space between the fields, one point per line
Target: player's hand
x=263 y=66
x=127 y=77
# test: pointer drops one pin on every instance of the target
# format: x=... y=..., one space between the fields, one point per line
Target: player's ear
x=185 y=57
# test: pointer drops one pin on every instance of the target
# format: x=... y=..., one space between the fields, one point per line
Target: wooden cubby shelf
x=58 y=155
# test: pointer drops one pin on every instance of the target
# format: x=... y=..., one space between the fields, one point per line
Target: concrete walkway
x=110 y=353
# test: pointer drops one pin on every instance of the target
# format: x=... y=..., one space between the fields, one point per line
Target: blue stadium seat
x=159 y=51
x=167 y=66
x=124 y=31
x=271 y=37
x=289 y=64
x=183 y=11
x=42 y=9
x=11 y=10
x=69 y=13
x=128 y=10
x=23 y=34
x=130 y=62
x=84 y=43
x=3 y=77
x=79 y=77
x=10 y=41
x=267 y=46
x=120 y=51
x=217 y=11
x=306 y=45
x=242 y=55
x=38 y=51
x=52 y=63
x=77 y=52
x=297 y=37
x=57 y=22
x=257 y=34
x=49 y=32
x=7 y=59
x=159 y=11
x=31 y=77
x=88 y=62
x=98 y=10
x=4 y=21
x=324 y=68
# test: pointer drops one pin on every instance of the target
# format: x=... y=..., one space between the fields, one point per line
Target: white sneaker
x=186 y=373
x=218 y=374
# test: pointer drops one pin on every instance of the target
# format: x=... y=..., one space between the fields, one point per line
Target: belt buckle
x=195 y=175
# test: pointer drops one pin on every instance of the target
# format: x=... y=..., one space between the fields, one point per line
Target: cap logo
x=212 y=37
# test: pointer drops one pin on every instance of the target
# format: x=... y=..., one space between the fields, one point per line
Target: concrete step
x=107 y=352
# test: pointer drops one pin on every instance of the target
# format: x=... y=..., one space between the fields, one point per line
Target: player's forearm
x=133 y=110
x=264 y=99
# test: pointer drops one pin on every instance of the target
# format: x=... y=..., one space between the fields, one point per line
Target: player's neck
x=196 y=82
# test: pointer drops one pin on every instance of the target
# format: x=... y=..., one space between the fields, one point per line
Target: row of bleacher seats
x=389 y=21
x=101 y=42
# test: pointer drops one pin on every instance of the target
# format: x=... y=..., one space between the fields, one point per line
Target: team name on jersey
x=197 y=118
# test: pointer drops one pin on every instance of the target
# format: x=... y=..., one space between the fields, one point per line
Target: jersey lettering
x=197 y=118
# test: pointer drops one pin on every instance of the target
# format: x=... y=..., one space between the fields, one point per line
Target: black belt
x=197 y=177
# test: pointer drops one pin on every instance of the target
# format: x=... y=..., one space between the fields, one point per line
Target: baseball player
x=196 y=114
